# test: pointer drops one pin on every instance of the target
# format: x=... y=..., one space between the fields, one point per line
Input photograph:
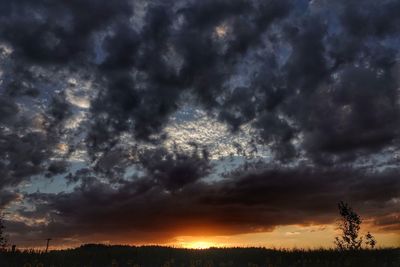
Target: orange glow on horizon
x=283 y=237
x=199 y=245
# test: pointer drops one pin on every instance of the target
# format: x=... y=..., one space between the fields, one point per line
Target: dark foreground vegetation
x=121 y=256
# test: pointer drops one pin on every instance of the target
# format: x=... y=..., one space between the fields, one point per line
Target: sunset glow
x=199 y=245
x=201 y=123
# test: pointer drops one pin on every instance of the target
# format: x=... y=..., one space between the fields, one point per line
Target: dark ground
x=121 y=256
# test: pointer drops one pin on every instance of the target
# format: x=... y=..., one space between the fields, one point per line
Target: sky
x=198 y=123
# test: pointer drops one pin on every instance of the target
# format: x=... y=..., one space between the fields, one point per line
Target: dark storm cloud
x=8 y=109
x=315 y=80
x=347 y=126
x=27 y=142
x=174 y=171
x=44 y=34
x=57 y=32
x=373 y=19
x=22 y=154
x=6 y=197
x=144 y=105
x=147 y=70
x=240 y=204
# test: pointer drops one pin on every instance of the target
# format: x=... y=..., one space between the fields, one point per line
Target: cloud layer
x=313 y=87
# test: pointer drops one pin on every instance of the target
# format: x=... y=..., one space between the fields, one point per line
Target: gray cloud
x=316 y=81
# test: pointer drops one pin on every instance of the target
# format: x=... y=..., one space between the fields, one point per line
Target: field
x=153 y=256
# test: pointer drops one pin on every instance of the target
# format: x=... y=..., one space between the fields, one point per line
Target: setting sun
x=199 y=245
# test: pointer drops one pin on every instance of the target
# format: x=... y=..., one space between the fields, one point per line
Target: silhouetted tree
x=349 y=224
x=370 y=240
x=3 y=238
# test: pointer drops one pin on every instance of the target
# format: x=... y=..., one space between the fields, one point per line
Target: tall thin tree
x=349 y=224
x=3 y=238
x=370 y=240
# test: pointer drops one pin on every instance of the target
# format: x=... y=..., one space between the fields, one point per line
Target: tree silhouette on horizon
x=3 y=238
x=349 y=223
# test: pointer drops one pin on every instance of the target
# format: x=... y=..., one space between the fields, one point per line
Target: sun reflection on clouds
x=78 y=93
x=5 y=49
x=221 y=30
x=29 y=221
x=62 y=147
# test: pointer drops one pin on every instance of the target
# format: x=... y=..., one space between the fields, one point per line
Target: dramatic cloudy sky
x=198 y=122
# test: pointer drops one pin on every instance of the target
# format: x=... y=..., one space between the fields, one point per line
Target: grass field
x=121 y=256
